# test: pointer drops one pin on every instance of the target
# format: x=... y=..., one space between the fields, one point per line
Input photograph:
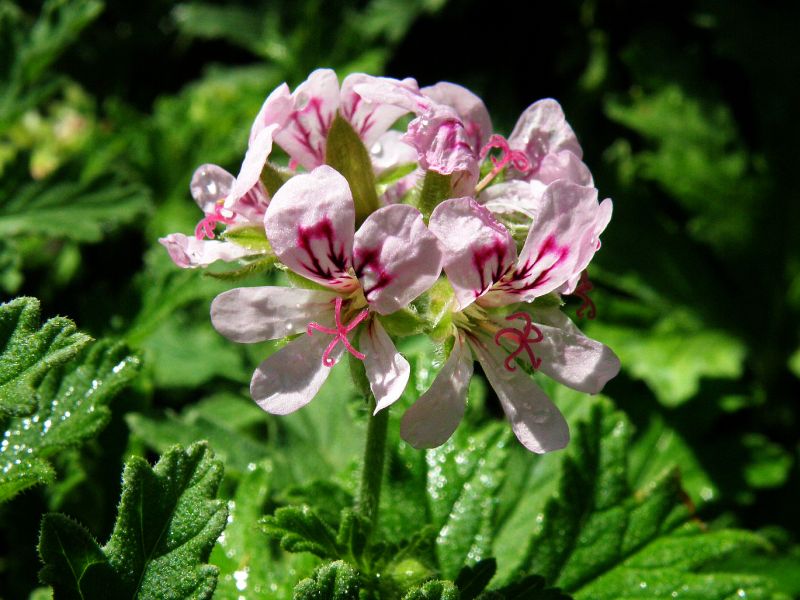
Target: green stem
x=374 y=454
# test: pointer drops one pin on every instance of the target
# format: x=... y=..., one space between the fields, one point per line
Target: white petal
x=310 y=224
x=268 y=313
x=535 y=420
x=290 y=378
x=433 y=418
x=386 y=368
x=570 y=357
x=396 y=258
x=189 y=252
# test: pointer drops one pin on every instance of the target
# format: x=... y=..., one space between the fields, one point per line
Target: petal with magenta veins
x=543 y=129
x=559 y=246
x=385 y=90
x=252 y=165
x=469 y=107
x=276 y=110
x=189 y=252
x=315 y=103
x=290 y=378
x=535 y=420
x=478 y=249
x=571 y=358
x=442 y=145
x=310 y=223
x=255 y=314
x=370 y=119
x=210 y=184
x=396 y=258
x=433 y=418
x=387 y=370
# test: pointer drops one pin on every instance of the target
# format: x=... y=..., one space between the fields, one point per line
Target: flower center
x=582 y=291
x=205 y=228
x=521 y=338
x=517 y=158
x=339 y=333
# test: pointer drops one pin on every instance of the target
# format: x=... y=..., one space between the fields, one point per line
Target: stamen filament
x=340 y=333
x=521 y=338
x=205 y=228
x=582 y=291
x=517 y=159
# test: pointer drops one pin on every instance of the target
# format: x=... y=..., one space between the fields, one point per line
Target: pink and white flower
x=377 y=270
x=487 y=275
x=210 y=187
x=303 y=118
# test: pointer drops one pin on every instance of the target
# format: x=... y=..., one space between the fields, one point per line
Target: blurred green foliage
x=688 y=121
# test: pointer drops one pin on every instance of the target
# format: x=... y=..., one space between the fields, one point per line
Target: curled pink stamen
x=582 y=291
x=340 y=333
x=205 y=228
x=522 y=339
x=516 y=158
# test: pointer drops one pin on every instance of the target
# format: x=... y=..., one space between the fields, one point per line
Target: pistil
x=339 y=333
x=516 y=158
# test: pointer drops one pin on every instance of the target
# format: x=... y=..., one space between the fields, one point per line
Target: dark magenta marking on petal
x=523 y=272
x=322 y=230
x=369 y=258
x=482 y=256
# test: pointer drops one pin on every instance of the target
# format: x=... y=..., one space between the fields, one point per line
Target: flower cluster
x=470 y=236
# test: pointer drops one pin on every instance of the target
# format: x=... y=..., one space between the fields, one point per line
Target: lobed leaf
x=334 y=581
x=166 y=525
x=29 y=351
x=73 y=403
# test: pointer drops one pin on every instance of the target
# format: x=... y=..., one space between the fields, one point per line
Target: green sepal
x=347 y=154
x=435 y=189
x=359 y=375
x=253 y=267
x=300 y=529
x=252 y=237
x=404 y=322
x=273 y=177
x=334 y=581
x=396 y=174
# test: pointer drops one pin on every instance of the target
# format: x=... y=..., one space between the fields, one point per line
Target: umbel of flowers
x=476 y=235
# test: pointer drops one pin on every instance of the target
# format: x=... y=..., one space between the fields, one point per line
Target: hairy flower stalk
x=365 y=260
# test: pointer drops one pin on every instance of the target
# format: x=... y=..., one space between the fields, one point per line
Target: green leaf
x=346 y=153
x=166 y=525
x=82 y=212
x=472 y=580
x=29 y=351
x=334 y=581
x=674 y=355
x=221 y=419
x=464 y=476
x=434 y=590
x=73 y=403
x=247 y=564
x=25 y=80
x=73 y=561
x=300 y=529
x=596 y=539
x=532 y=587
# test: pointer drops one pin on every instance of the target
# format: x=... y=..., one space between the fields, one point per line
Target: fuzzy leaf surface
x=597 y=539
x=72 y=408
x=29 y=351
x=167 y=523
